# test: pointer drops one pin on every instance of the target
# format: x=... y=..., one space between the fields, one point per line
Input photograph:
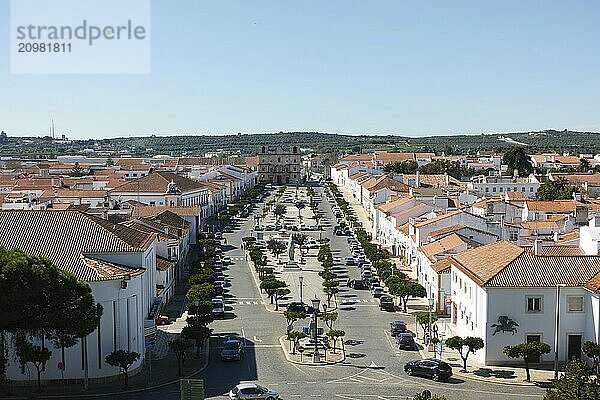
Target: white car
x=252 y=391
x=226 y=260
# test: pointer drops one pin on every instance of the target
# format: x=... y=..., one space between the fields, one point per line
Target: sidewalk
x=360 y=212
x=494 y=374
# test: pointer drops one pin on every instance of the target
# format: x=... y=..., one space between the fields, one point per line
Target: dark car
x=358 y=284
x=386 y=303
x=297 y=306
x=432 y=368
x=406 y=341
x=397 y=327
x=232 y=350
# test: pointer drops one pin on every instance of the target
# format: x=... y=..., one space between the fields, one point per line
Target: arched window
x=264 y=149
x=295 y=149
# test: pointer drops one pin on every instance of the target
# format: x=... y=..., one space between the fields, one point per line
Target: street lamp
x=301 y=280
x=430 y=301
x=556 y=316
x=315 y=303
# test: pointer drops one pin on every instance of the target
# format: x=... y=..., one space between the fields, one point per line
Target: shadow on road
x=221 y=376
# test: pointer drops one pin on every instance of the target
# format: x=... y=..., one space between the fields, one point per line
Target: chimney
x=537 y=247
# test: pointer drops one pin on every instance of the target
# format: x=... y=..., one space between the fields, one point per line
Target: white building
x=507 y=295
x=118 y=262
x=165 y=189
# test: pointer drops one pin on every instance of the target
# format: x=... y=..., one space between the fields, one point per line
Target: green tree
x=280 y=293
x=335 y=335
x=202 y=292
x=527 y=351
x=179 y=347
x=329 y=318
x=300 y=205
x=294 y=338
x=406 y=289
x=276 y=247
x=293 y=316
x=270 y=286
x=123 y=360
x=423 y=319
x=518 y=160
x=279 y=210
x=575 y=383
x=204 y=275
x=198 y=333
x=37 y=355
x=555 y=190
x=402 y=167
x=40 y=300
x=592 y=350
x=584 y=165
x=465 y=346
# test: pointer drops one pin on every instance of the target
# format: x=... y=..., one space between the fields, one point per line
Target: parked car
x=432 y=368
x=366 y=274
x=358 y=284
x=162 y=320
x=386 y=303
x=258 y=228
x=377 y=291
x=226 y=260
x=232 y=350
x=406 y=341
x=297 y=306
x=397 y=327
x=219 y=289
x=350 y=261
x=218 y=309
x=246 y=391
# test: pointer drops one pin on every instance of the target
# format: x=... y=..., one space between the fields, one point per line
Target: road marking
x=244 y=336
x=257 y=339
x=389 y=340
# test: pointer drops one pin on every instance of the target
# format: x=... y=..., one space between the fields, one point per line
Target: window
x=494 y=189
x=575 y=303
x=531 y=189
x=487 y=189
x=534 y=304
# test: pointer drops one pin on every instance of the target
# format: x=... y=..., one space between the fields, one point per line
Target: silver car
x=245 y=391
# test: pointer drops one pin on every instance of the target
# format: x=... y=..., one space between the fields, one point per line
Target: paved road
x=365 y=326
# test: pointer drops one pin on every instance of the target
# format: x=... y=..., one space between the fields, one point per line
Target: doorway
x=532 y=339
x=574 y=346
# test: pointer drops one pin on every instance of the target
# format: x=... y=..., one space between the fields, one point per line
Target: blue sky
x=382 y=67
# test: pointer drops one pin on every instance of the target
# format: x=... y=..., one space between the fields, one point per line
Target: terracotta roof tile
x=445 y=244
x=482 y=263
x=67 y=238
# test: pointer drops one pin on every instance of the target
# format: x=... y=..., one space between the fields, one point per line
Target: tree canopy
x=555 y=190
x=40 y=300
x=518 y=160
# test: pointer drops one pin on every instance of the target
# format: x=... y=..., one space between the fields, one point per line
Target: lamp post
x=315 y=303
x=430 y=301
x=301 y=280
x=556 y=316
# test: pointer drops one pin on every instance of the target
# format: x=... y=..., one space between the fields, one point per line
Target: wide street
x=373 y=368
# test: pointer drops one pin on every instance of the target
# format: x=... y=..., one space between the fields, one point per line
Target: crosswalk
x=258 y=302
x=354 y=301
